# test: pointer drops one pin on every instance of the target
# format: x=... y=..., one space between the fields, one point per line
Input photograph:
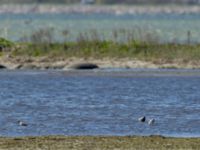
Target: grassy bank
x=154 y=52
x=100 y=143
x=123 y=44
x=92 y=48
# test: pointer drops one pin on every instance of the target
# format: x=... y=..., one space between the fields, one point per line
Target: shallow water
x=151 y=27
x=101 y=102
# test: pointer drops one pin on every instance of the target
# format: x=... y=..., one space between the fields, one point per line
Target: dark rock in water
x=2 y=67
x=85 y=66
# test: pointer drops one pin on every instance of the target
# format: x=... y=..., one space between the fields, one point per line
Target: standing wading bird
x=142 y=119
x=151 y=121
x=21 y=123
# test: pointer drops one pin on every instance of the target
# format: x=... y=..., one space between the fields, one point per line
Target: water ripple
x=54 y=103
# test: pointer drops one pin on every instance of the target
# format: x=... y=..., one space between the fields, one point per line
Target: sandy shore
x=66 y=63
x=99 y=143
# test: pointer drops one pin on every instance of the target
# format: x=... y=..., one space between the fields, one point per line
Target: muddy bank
x=99 y=142
x=43 y=63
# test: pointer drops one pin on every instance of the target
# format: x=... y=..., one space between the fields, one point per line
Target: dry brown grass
x=100 y=143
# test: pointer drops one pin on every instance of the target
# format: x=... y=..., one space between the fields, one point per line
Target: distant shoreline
x=110 y=9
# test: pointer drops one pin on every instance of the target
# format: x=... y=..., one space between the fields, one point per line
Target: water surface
x=161 y=27
x=100 y=102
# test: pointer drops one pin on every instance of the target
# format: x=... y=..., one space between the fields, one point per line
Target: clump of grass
x=43 y=35
x=5 y=44
x=38 y=43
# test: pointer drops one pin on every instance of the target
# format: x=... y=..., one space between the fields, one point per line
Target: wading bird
x=142 y=119
x=151 y=121
x=21 y=123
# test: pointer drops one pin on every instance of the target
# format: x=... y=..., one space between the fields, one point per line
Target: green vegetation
x=153 y=52
x=92 y=45
x=102 y=143
x=5 y=43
